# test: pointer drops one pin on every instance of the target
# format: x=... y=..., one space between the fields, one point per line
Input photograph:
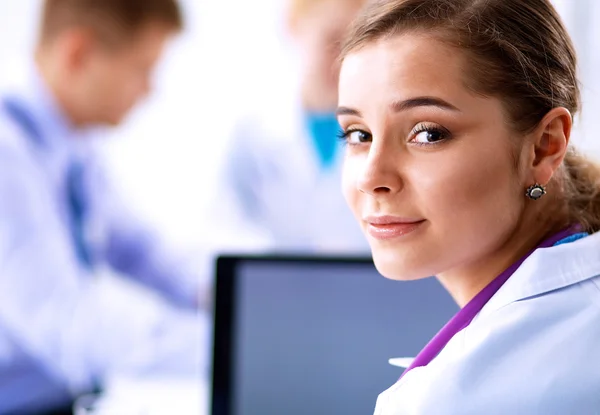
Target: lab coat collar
x=550 y=269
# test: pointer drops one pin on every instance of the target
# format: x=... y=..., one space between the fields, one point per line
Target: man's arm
x=80 y=326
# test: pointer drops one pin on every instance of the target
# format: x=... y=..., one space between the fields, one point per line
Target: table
x=154 y=396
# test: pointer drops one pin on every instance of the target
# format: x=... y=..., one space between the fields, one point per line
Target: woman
x=457 y=115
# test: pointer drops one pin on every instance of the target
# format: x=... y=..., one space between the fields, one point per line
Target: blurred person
x=282 y=174
x=86 y=291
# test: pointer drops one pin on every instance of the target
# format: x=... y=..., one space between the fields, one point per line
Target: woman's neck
x=465 y=282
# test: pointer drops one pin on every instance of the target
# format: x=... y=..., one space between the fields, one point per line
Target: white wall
x=581 y=18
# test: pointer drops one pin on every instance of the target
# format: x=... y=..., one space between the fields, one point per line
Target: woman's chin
x=395 y=267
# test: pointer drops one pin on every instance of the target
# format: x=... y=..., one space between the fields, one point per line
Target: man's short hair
x=108 y=17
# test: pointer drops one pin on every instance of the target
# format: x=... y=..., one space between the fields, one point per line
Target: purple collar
x=464 y=317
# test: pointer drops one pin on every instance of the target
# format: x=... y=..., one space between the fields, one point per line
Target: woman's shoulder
x=543 y=346
x=548 y=320
x=535 y=351
x=536 y=356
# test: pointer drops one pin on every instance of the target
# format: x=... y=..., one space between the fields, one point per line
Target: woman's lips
x=390 y=227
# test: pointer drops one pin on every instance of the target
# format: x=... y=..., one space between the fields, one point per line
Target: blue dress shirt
x=86 y=292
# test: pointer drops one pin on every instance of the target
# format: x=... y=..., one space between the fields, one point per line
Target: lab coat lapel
x=549 y=269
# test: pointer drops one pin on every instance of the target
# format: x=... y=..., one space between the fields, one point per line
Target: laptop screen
x=314 y=336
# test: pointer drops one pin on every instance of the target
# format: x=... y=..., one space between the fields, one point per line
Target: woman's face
x=430 y=170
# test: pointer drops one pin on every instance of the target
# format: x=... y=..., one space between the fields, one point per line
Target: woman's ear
x=550 y=142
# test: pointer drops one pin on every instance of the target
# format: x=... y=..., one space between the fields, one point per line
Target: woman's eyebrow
x=404 y=105
x=425 y=101
x=347 y=111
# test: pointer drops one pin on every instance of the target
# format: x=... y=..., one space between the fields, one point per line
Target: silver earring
x=535 y=192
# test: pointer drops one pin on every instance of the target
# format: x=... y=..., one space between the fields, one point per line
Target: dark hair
x=118 y=18
x=519 y=51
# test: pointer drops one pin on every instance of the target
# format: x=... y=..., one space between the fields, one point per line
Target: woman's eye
x=428 y=135
x=356 y=137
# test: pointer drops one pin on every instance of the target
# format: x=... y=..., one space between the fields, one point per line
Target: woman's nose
x=381 y=173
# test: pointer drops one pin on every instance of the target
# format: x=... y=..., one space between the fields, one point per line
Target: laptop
x=314 y=335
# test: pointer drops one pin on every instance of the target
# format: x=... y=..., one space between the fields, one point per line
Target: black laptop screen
x=300 y=337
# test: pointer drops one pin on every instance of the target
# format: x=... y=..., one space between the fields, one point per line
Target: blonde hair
x=520 y=52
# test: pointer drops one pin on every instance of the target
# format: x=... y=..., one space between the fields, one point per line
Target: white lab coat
x=275 y=189
x=533 y=349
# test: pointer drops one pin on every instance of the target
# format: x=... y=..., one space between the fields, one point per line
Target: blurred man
x=64 y=327
x=282 y=178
